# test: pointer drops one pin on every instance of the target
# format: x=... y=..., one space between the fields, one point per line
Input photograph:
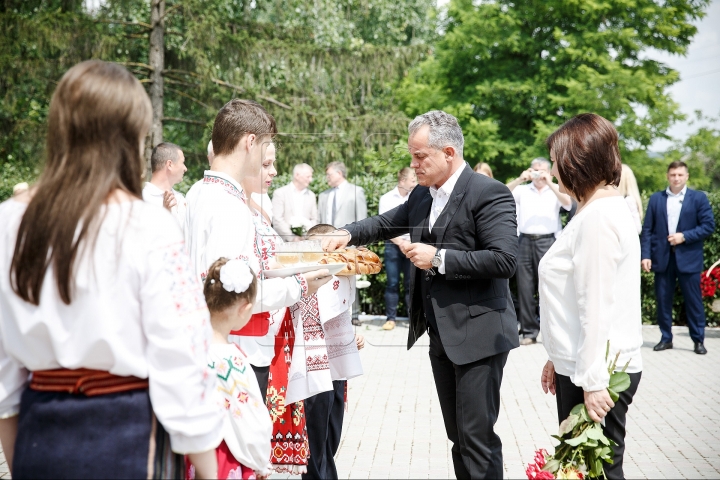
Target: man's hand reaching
x=335 y=240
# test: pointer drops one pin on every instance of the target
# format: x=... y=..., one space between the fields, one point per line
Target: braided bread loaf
x=358 y=261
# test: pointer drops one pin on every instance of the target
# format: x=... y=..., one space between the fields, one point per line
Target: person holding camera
x=538 y=217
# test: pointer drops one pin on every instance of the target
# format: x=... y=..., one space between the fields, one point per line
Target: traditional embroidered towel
x=335 y=299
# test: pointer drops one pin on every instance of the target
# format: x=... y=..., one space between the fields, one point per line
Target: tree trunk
x=157 y=62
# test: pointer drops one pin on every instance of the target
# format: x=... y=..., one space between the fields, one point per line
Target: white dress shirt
x=590 y=293
x=441 y=196
x=674 y=206
x=220 y=224
x=154 y=195
x=538 y=211
x=390 y=200
x=136 y=310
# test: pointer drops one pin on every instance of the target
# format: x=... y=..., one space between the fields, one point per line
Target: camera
x=535 y=174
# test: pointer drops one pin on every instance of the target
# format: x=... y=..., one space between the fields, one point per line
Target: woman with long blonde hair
x=628 y=188
x=100 y=305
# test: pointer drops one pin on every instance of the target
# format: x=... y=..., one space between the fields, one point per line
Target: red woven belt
x=84 y=381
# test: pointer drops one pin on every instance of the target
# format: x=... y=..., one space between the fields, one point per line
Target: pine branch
x=178 y=82
x=120 y=22
x=170 y=9
x=276 y=102
x=182 y=120
x=189 y=97
x=136 y=64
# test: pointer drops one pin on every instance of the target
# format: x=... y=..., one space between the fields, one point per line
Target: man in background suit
x=294 y=204
x=463 y=234
x=677 y=221
x=343 y=202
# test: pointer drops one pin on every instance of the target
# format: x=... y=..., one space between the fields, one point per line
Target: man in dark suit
x=677 y=221
x=463 y=248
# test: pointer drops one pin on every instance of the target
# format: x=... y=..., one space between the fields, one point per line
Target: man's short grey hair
x=339 y=166
x=444 y=131
x=210 y=149
x=301 y=167
x=542 y=160
x=162 y=153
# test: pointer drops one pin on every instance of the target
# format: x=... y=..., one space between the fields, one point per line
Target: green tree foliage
x=325 y=70
x=514 y=71
x=701 y=151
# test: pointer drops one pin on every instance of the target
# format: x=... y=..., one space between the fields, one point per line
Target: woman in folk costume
x=230 y=290
x=289 y=441
x=99 y=305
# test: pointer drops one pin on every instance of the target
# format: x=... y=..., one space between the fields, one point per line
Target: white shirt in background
x=219 y=224
x=538 y=211
x=154 y=196
x=390 y=200
x=674 y=206
x=590 y=293
x=635 y=212
x=136 y=310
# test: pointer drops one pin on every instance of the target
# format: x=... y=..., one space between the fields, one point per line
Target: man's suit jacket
x=696 y=222
x=478 y=228
x=350 y=205
x=286 y=208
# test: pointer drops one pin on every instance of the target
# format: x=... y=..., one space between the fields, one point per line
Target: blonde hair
x=484 y=168
x=628 y=187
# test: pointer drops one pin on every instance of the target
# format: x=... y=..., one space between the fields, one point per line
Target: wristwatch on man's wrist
x=436 y=260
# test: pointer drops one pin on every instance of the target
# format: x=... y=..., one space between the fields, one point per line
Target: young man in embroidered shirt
x=538 y=216
x=219 y=222
x=167 y=163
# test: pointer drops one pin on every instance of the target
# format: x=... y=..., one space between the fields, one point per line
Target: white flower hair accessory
x=236 y=276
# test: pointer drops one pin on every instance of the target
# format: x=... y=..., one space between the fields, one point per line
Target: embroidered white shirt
x=154 y=195
x=220 y=224
x=136 y=310
x=674 y=206
x=538 y=211
x=390 y=200
x=590 y=293
x=441 y=196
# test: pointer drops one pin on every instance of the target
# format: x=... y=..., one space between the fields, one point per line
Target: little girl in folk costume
x=230 y=287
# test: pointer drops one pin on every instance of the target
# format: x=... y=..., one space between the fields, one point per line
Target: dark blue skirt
x=61 y=435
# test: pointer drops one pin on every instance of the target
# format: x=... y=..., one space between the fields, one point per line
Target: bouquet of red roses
x=583 y=446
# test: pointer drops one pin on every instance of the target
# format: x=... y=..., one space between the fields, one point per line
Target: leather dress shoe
x=663 y=346
x=356 y=322
x=700 y=349
x=528 y=341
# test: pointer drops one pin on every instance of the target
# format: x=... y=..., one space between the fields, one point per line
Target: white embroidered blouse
x=219 y=224
x=136 y=310
x=261 y=350
x=247 y=429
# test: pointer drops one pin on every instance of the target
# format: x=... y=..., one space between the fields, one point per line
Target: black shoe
x=700 y=349
x=662 y=346
x=356 y=322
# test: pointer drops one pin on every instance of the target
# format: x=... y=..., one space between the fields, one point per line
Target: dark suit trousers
x=470 y=402
x=664 y=293
x=568 y=395
x=324 y=417
x=263 y=376
x=530 y=252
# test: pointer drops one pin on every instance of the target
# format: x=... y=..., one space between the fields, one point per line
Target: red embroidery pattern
x=312 y=328
x=186 y=291
x=336 y=284
x=317 y=362
x=229 y=187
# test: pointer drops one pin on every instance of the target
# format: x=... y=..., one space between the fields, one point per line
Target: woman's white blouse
x=590 y=293
x=136 y=310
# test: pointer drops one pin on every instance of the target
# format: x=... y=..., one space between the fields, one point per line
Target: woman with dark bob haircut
x=590 y=282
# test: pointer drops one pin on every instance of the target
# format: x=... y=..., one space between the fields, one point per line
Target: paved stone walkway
x=394 y=428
